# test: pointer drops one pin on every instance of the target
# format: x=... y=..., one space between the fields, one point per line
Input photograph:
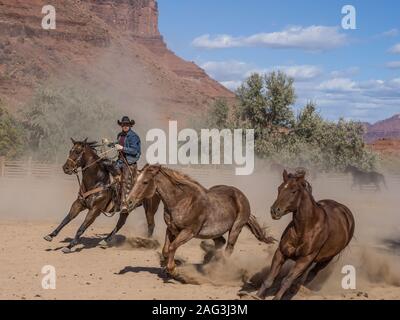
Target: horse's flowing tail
x=258 y=232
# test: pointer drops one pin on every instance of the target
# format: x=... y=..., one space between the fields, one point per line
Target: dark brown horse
x=96 y=184
x=318 y=232
x=192 y=211
x=363 y=178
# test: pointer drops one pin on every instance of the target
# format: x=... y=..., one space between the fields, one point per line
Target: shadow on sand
x=91 y=242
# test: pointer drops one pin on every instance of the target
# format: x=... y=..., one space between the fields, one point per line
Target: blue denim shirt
x=132 y=147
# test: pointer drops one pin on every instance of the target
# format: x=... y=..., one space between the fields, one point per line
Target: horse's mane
x=178 y=178
x=91 y=144
x=301 y=173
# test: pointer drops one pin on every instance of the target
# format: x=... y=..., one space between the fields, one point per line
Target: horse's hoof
x=173 y=273
x=48 y=238
x=66 y=250
x=206 y=247
x=163 y=261
x=103 y=243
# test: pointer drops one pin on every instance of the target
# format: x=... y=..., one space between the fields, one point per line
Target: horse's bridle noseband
x=75 y=163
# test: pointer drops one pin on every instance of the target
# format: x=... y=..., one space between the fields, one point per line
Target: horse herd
x=317 y=233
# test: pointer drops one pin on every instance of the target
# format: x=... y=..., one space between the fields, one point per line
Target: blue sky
x=353 y=74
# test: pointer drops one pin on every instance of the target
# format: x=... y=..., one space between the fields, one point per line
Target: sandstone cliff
x=112 y=45
x=388 y=128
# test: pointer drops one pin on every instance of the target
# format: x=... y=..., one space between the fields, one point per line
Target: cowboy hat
x=126 y=121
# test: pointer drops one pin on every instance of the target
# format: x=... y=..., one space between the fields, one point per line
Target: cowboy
x=129 y=147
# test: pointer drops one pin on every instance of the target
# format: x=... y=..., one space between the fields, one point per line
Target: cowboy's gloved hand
x=119 y=147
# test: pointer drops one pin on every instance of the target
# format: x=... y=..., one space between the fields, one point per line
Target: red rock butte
x=115 y=45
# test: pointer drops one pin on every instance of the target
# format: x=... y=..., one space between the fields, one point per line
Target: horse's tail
x=258 y=232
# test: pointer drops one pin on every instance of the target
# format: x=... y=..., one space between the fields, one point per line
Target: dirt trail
x=125 y=272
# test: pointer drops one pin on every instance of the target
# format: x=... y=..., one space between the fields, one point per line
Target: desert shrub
x=265 y=104
x=55 y=114
x=12 y=135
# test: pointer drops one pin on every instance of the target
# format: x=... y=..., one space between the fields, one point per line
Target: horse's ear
x=285 y=176
x=73 y=141
x=85 y=141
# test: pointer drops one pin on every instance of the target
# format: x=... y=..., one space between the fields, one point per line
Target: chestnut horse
x=96 y=183
x=318 y=232
x=192 y=211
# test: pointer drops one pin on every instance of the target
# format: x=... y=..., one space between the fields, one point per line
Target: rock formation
x=113 y=45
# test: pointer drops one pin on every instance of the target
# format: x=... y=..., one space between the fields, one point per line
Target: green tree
x=264 y=104
x=264 y=101
x=12 y=135
x=309 y=123
x=218 y=116
x=55 y=114
x=280 y=95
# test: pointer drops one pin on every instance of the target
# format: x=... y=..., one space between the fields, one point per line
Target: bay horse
x=318 y=232
x=97 y=193
x=192 y=211
x=363 y=178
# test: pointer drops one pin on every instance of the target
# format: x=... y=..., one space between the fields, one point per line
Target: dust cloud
x=374 y=251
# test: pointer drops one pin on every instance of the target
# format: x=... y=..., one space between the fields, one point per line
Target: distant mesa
x=115 y=45
x=385 y=129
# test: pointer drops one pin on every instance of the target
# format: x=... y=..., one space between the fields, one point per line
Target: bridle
x=76 y=163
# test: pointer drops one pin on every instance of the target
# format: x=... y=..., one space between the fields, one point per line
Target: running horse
x=96 y=193
x=318 y=232
x=192 y=211
x=363 y=178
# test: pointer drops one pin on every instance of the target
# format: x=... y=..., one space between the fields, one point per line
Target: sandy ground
x=124 y=272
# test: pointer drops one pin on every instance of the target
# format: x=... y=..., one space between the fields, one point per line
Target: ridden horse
x=192 y=211
x=96 y=193
x=363 y=178
x=318 y=232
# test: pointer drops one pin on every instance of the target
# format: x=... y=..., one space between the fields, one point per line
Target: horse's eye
x=145 y=182
x=294 y=191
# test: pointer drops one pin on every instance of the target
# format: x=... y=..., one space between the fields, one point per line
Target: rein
x=84 y=196
x=101 y=157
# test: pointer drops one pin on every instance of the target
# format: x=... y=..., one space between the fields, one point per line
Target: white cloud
x=232 y=73
x=301 y=72
x=336 y=93
x=338 y=85
x=395 y=49
x=227 y=70
x=312 y=38
x=393 y=65
x=344 y=97
x=391 y=33
x=352 y=71
x=231 y=85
